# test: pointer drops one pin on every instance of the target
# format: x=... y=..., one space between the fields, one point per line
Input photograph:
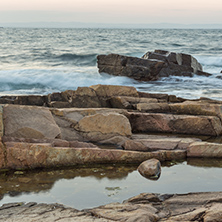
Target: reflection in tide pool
x=90 y=187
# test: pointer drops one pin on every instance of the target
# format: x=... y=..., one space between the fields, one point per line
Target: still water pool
x=93 y=186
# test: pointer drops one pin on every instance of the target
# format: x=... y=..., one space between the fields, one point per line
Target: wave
x=45 y=81
x=48 y=58
x=211 y=60
x=81 y=59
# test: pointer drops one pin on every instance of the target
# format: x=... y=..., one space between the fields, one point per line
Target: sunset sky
x=112 y=11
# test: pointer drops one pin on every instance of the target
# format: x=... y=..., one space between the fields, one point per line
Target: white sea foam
x=212 y=64
x=66 y=59
x=44 y=81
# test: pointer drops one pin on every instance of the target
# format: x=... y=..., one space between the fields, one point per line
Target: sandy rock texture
x=146 y=207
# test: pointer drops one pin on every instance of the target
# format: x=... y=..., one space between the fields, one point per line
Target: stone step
x=169 y=123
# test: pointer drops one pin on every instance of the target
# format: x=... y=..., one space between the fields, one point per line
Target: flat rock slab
x=204 y=149
x=112 y=90
x=196 y=108
x=103 y=126
x=158 y=143
x=30 y=156
x=181 y=124
x=146 y=207
x=20 y=212
x=29 y=122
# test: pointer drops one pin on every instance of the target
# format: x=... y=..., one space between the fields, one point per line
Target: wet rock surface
x=144 y=207
x=150 y=169
x=152 y=65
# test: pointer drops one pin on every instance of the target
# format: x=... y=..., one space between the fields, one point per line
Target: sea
x=40 y=61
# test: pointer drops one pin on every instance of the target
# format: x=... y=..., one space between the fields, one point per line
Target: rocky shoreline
x=146 y=207
x=139 y=126
x=45 y=137
x=71 y=128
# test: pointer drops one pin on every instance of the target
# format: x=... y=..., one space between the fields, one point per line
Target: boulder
x=168 y=123
x=150 y=169
x=68 y=118
x=103 y=126
x=205 y=149
x=151 y=66
x=139 y=69
x=29 y=122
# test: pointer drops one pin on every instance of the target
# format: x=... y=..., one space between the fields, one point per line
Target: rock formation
x=150 y=169
x=152 y=66
x=146 y=207
x=69 y=129
x=62 y=133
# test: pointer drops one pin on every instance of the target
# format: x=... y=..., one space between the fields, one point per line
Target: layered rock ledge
x=72 y=127
x=146 y=207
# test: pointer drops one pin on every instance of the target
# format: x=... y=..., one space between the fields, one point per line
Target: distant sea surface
x=41 y=61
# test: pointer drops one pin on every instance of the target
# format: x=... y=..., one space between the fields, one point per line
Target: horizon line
x=160 y=25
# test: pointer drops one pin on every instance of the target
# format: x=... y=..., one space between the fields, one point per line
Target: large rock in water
x=136 y=68
x=151 y=66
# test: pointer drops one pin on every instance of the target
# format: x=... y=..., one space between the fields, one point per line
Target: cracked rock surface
x=145 y=207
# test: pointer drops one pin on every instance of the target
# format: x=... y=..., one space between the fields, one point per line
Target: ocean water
x=41 y=61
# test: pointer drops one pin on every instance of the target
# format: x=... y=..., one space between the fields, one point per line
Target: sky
x=112 y=11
